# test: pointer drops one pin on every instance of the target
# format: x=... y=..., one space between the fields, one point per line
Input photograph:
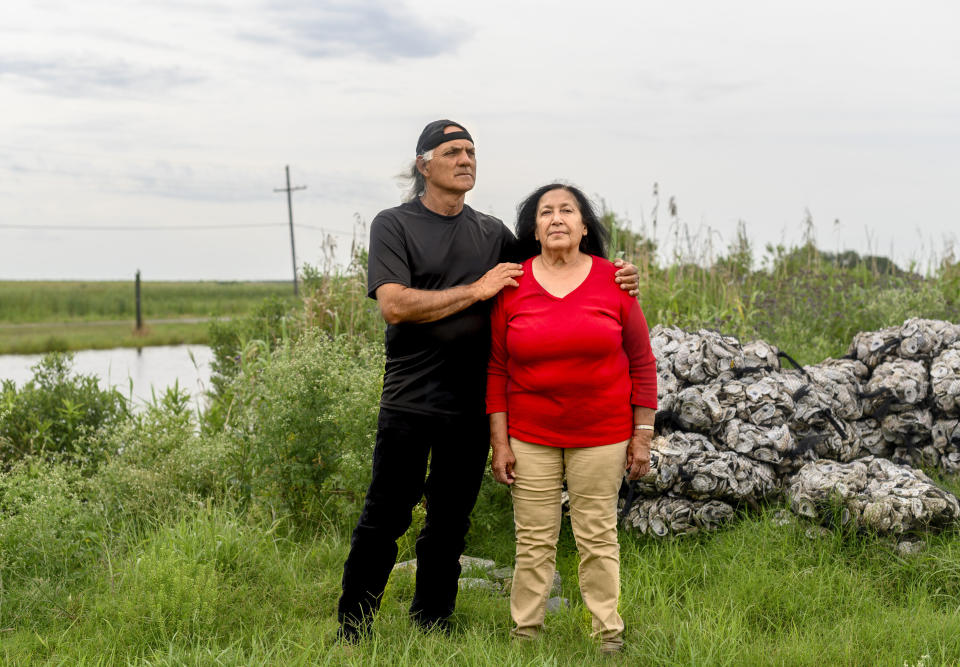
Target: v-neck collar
x=550 y=294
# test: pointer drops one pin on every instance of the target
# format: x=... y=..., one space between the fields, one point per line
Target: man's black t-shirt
x=437 y=368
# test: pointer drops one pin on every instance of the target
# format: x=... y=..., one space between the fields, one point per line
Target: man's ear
x=422 y=165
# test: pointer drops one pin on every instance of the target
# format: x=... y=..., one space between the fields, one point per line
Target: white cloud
x=85 y=75
x=381 y=29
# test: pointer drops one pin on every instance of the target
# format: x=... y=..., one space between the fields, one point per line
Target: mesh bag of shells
x=695 y=358
x=675 y=515
x=773 y=445
x=844 y=435
x=690 y=465
x=835 y=385
x=923 y=339
x=945 y=381
x=895 y=386
x=874 y=493
x=764 y=401
x=916 y=338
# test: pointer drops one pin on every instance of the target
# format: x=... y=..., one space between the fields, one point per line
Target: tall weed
x=163 y=466
x=335 y=300
x=304 y=422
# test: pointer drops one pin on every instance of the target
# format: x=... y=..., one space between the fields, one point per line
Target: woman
x=571 y=394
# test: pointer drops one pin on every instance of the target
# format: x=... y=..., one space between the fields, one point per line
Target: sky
x=152 y=134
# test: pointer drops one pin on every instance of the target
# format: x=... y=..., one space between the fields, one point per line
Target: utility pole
x=293 y=249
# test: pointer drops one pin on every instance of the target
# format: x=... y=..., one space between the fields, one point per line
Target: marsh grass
x=811 y=311
x=37 y=317
x=41 y=338
x=79 y=301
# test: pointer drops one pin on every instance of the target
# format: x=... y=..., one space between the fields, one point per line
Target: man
x=434 y=264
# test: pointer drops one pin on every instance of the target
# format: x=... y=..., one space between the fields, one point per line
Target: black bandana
x=432 y=135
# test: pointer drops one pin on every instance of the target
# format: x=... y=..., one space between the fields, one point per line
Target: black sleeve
x=508 y=246
x=387 y=260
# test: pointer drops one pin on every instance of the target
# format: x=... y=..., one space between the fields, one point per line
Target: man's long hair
x=413 y=182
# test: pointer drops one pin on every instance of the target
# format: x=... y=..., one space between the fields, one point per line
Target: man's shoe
x=348 y=633
x=438 y=625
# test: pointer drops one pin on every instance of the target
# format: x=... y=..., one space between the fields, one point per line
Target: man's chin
x=465 y=184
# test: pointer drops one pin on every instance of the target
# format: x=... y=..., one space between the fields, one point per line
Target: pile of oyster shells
x=840 y=439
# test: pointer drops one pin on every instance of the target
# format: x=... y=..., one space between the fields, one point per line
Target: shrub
x=56 y=412
x=45 y=521
x=305 y=424
x=228 y=338
x=48 y=536
x=163 y=463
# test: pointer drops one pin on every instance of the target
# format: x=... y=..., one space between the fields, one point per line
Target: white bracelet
x=643 y=427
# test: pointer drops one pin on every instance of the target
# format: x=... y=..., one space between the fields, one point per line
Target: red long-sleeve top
x=567 y=371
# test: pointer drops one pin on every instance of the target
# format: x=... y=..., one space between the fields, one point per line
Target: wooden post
x=139 y=316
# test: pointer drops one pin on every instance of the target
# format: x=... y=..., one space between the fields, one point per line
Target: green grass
x=89 y=336
x=25 y=301
x=211 y=587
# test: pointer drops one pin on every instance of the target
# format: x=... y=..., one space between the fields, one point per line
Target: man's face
x=453 y=167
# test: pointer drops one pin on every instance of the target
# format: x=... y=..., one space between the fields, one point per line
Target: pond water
x=139 y=372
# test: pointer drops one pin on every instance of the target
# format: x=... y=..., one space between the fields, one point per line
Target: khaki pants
x=593 y=480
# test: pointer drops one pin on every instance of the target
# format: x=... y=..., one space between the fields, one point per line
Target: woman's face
x=559 y=223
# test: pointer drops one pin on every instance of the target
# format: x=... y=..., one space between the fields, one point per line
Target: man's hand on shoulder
x=627 y=277
x=500 y=276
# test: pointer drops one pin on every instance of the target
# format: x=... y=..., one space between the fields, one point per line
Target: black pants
x=457 y=447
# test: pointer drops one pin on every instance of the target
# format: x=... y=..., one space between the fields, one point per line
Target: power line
x=325 y=231
x=160 y=228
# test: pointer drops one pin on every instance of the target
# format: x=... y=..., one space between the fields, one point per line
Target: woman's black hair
x=593 y=243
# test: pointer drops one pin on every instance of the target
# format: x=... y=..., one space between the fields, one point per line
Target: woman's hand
x=503 y=462
x=638 y=455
